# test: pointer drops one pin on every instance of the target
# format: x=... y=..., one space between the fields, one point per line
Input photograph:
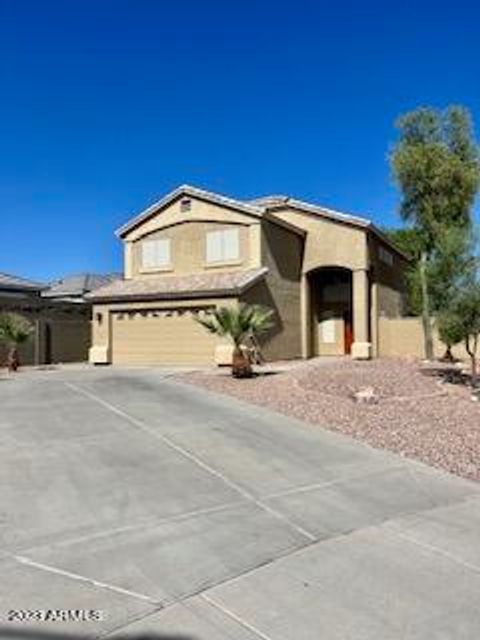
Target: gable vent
x=185 y=204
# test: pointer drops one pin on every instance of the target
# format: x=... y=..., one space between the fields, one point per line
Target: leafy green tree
x=449 y=261
x=436 y=165
x=408 y=241
x=239 y=324
x=452 y=263
x=450 y=332
x=464 y=320
x=14 y=331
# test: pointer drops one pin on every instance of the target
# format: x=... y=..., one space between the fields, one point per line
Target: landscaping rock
x=366 y=395
x=412 y=416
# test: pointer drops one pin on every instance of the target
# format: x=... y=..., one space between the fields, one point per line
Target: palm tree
x=14 y=331
x=238 y=324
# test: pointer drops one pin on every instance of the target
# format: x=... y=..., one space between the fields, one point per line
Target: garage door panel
x=160 y=338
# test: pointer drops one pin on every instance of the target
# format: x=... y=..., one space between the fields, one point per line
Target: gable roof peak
x=194 y=192
x=271 y=200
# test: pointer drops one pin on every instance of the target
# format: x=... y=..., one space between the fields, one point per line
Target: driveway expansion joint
x=431 y=548
x=151 y=523
x=193 y=458
x=75 y=576
x=239 y=567
x=239 y=620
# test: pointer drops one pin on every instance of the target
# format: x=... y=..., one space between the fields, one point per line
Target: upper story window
x=223 y=246
x=385 y=256
x=156 y=253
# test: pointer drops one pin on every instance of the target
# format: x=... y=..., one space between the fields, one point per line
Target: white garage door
x=161 y=336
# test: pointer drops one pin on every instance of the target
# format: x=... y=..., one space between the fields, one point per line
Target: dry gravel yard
x=417 y=415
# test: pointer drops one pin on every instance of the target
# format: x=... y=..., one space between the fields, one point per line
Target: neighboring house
x=328 y=276
x=16 y=287
x=75 y=287
x=61 y=328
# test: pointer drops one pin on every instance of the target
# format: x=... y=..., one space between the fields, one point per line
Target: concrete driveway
x=161 y=511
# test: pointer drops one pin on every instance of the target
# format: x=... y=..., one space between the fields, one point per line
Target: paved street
x=175 y=513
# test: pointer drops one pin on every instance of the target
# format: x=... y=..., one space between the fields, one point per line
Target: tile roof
x=267 y=201
x=79 y=284
x=270 y=203
x=258 y=207
x=278 y=202
x=8 y=281
x=169 y=287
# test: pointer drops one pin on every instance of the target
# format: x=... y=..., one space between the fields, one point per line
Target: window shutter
x=214 y=246
x=230 y=244
x=155 y=253
x=148 y=254
x=223 y=246
x=163 y=253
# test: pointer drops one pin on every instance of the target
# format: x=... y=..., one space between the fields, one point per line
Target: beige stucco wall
x=188 y=249
x=391 y=302
x=377 y=289
x=332 y=244
x=282 y=251
x=262 y=242
x=403 y=337
x=390 y=278
x=187 y=229
x=388 y=288
x=102 y=322
x=328 y=243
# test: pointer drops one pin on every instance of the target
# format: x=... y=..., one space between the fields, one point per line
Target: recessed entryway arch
x=331 y=311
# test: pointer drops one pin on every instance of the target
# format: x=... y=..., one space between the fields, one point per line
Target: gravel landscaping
x=415 y=412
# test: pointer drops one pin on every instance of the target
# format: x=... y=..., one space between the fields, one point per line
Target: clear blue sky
x=105 y=105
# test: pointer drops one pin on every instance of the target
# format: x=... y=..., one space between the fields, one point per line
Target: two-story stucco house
x=328 y=276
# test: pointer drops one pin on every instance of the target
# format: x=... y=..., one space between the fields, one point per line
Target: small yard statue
x=366 y=395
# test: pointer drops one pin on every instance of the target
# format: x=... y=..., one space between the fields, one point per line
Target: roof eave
x=172 y=295
x=55 y=294
x=270 y=217
x=22 y=288
x=384 y=238
x=324 y=212
x=71 y=297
